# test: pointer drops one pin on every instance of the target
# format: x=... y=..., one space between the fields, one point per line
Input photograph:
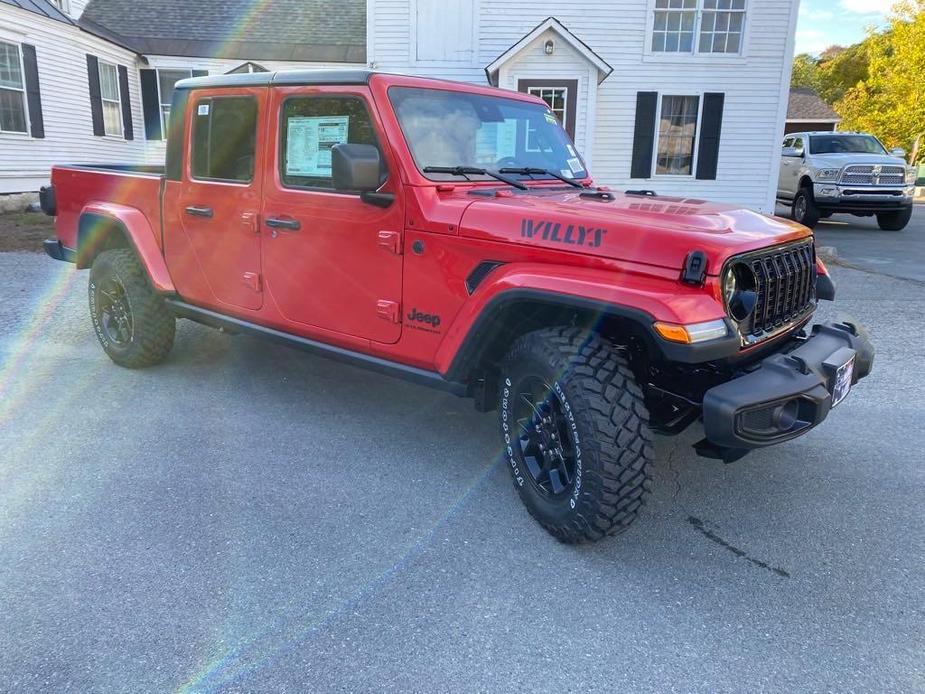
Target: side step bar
x=383 y=366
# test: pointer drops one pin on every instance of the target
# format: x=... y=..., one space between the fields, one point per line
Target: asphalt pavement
x=862 y=244
x=249 y=518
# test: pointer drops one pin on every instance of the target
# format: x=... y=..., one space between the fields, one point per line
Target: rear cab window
x=223 y=139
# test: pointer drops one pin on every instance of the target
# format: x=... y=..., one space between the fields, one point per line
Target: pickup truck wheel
x=804 y=208
x=894 y=221
x=131 y=321
x=576 y=434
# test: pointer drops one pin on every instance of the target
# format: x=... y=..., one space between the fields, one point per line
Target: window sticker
x=203 y=110
x=571 y=150
x=575 y=165
x=309 y=141
x=496 y=141
x=567 y=173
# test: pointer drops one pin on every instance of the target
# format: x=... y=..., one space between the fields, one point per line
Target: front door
x=560 y=95
x=330 y=260
x=212 y=236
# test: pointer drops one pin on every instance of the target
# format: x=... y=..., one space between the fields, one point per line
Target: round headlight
x=739 y=291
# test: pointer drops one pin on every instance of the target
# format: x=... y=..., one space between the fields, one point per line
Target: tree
x=805 y=72
x=890 y=100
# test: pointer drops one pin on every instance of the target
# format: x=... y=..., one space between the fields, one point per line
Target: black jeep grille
x=786 y=286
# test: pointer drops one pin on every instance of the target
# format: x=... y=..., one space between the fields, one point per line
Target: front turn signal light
x=693 y=332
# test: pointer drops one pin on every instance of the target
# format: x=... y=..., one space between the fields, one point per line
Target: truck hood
x=655 y=230
x=844 y=159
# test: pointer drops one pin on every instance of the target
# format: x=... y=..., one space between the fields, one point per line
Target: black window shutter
x=96 y=98
x=200 y=73
x=33 y=93
x=710 y=127
x=128 y=132
x=150 y=104
x=644 y=134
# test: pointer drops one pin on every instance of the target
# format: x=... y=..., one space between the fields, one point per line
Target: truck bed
x=79 y=187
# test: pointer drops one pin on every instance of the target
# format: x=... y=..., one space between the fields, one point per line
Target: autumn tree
x=890 y=100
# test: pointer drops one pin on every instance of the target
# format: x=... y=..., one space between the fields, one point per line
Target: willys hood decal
x=653 y=230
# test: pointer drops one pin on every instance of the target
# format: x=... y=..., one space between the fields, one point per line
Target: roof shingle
x=298 y=30
x=806 y=105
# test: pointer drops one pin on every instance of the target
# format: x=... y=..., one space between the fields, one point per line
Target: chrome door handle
x=284 y=223
x=196 y=211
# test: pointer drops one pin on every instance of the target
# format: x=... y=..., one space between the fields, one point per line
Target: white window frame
x=160 y=99
x=63 y=5
x=694 y=55
x=25 y=101
x=413 y=35
x=103 y=100
x=695 y=154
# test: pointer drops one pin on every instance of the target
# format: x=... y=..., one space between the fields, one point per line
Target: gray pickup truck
x=822 y=173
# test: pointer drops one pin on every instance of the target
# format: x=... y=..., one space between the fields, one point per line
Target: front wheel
x=894 y=221
x=804 y=208
x=132 y=322
x=576 y=433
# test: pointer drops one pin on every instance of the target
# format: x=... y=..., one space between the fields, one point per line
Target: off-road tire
x=894 y=221
x=804 y=208
x=605 y=409
x=152 y=324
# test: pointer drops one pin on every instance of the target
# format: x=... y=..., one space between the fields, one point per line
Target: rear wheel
x=804 y=208
x=894 y=221
x=575 y=432
x=132 y=322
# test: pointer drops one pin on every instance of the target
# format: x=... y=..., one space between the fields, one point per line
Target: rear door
x=330 y=260
x=214 y=256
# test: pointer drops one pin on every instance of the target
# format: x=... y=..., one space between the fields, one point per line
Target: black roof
x=290 y=77
x=805 y=104
x=298 y=30
x=42 y=7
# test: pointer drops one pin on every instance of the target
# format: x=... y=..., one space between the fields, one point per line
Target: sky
x=823 y=23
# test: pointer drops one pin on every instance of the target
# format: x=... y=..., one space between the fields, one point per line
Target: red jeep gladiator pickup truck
x=451 y=234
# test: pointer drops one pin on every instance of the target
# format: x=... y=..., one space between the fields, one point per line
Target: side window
x=310 y=128
x=788 y=142
x=798 y=144
x=224 y=138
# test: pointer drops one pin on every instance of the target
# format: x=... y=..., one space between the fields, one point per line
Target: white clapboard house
x=684 y=97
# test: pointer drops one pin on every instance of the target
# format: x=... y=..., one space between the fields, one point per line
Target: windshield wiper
x=474 y=171
x=530 y=171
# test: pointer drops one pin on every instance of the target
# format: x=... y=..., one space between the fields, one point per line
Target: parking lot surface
x=248 y=518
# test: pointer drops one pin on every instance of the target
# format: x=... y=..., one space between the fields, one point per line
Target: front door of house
x=560 y=95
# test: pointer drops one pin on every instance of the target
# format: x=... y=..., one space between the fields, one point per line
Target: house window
x=717 y=24
x=12 y=90
x=673 y=30
x=677 y=133
x=112 y=101
x=721 y=26
x=166 y=80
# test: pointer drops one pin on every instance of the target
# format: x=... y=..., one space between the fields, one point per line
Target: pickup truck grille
x=873 y=175
x=786 y=286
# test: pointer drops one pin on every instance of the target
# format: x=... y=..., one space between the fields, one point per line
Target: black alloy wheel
x=545 y=444
x=116 y=312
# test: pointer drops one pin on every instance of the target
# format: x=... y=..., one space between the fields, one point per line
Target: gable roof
x=580 y=46
x=806 y=105
x=299 y=30
x=42 y=7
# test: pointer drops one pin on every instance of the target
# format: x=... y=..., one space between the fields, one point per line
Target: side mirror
x=898 y=152
x=356 y=168
x=791 y=152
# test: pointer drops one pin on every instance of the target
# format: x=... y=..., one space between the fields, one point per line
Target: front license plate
x=843 y=378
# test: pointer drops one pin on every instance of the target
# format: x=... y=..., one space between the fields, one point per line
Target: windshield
x=849 y=144
x=453 y=129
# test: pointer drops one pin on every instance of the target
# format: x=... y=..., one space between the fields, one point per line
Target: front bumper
x=834 y=197
x=786 y=394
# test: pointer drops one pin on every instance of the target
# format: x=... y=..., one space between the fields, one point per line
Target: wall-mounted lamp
x=549 y=47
